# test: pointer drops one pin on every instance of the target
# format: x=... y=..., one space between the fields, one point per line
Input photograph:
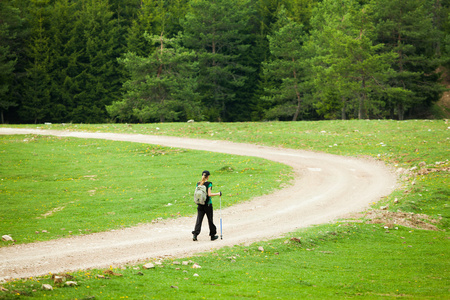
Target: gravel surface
x=326 y=187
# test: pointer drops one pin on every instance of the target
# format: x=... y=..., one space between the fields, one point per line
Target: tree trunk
x=344 y=108
x=297 y=111
x=299 y=99
x=400 y=112
x=362 y=101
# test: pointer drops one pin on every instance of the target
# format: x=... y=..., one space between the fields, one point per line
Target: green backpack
x=200 y=195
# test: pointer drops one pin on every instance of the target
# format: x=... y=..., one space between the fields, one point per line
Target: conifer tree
x=406 y=28
x=161 y=86
x=216 y=31
x=9 y=26
x=347 y=62
x=288 y=69
x=36 y=87
x=97 y=79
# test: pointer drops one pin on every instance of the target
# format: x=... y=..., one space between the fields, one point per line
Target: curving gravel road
x=326 y=187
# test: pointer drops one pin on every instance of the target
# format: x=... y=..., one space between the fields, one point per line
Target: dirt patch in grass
x=427 y=171
x=392 y=219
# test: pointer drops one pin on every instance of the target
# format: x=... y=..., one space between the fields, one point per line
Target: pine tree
x=347 y=61
x=161 y=86
x=288 y=69
x=11 y=22
x=154 y=17
x=64 y=53
x=36 y=94
x=216 y=30
x=406 y=28
x=97 y=78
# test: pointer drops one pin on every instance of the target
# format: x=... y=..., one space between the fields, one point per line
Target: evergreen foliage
x=216 y=30
x=94 y=61
x=288 y=69
x=162 y=86
x=9 y=28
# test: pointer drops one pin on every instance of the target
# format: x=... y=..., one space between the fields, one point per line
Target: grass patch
x=54 y=187
x=403 y=143
x=375 y=255
x=342 y=260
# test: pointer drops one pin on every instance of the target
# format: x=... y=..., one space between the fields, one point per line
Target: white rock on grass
x=47 y=287
x=7 y=238
x=148 y=266
x=71 y=283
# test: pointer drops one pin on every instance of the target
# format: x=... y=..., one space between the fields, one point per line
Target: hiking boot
x=194 y=238
x=215 y=237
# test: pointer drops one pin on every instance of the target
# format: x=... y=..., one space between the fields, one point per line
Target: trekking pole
x=221 y=215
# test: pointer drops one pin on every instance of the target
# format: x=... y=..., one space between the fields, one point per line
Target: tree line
x=95 y=61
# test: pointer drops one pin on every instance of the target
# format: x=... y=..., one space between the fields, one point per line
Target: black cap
x=206 y=173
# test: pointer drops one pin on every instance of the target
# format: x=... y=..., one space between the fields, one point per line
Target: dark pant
x=201 y=211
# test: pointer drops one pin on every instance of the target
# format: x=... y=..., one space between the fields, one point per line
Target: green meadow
x=55 y=187
x=397 y=249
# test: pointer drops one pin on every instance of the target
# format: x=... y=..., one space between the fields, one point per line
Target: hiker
x=206 y=209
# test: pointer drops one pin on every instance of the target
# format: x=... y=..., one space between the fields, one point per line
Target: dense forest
x=96 y=61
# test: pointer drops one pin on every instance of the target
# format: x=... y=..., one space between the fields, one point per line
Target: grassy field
x=399 y=252
x=53 y=187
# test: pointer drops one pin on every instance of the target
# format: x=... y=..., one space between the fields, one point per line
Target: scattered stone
x=260 y=248
x=3 y=289
x=191 y=121
x=101 y=276
x=400 y=170
x=422 y=164
x=196 y=266
x=44 y=231
x=47 y=287
x=176 y=263
x=158 y=263
x=149 y=266
x=112 y=273
x=7 y=238
x=196 y=275
x=297 y=240
x=185 y=263
x=384 y=207
x=173 y=287
x=71 y=283
x=140 y=273
x=396 y=200
x=58 y=279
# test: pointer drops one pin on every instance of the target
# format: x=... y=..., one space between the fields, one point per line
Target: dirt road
x=326 y=187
